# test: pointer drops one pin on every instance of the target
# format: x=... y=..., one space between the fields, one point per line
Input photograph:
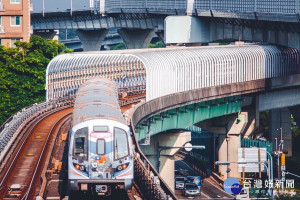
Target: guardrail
x=12 y=127
x=264 y=6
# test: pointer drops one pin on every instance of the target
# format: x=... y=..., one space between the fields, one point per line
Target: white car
x=244 y=194
x=191 y=189
x=179 y=182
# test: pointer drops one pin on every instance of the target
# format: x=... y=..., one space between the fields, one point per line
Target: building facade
x=14 y=21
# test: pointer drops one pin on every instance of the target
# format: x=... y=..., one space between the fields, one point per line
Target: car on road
x=191 y=189
x=244 y=194
x=194 y=179
x=179 y=182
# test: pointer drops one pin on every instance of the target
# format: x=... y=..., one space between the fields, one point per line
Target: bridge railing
x=265 y=6
x=144 y=5
x=12 y=126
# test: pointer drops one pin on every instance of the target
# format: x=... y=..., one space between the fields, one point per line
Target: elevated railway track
x=20 y=174
x=23 y=169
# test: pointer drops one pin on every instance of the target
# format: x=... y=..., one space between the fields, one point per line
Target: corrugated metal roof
x=97 y=98
x=172 y=70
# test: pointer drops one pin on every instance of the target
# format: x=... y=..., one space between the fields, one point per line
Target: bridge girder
x=89 y=21
x=185 y=116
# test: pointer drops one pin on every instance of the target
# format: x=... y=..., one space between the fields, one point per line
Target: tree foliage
x=157 y=45
x=22 y=73
x=120 y=46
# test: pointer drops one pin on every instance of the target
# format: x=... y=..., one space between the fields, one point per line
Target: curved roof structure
x=97 y=98
x=171 y=70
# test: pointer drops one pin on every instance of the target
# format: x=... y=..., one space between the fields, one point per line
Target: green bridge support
x=185 y=116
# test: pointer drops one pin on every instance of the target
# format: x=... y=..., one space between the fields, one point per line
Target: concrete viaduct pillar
x=231 y=129
x=167 y=165
x=137 y=38
x=281 y=118
x=91 y=39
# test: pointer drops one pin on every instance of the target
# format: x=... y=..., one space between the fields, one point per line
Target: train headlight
x=122 y=167
x=79 y=167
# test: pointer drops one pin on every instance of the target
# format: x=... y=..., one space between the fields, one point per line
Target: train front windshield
x=121 y=144
x=80 y=144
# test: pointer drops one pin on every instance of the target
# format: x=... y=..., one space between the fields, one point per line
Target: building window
x=15 y=20
x=0 y=41
x=15 y=1
x=12 y=42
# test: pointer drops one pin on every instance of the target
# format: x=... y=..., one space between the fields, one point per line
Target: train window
x=101 y=147
x=80 y=143
x=120 y=144
x=100 y=128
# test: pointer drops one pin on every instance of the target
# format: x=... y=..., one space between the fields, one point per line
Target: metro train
x=100 y=147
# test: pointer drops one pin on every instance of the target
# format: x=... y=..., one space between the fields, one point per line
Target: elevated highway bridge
x=269 y=21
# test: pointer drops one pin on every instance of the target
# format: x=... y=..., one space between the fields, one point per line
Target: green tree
x=120 y=46
x=157 y=45
x=22 y=73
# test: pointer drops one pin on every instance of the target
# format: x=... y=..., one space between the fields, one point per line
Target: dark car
x=195 y=179
x=191 y=189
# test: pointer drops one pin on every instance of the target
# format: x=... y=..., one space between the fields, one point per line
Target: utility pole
x=279 y=151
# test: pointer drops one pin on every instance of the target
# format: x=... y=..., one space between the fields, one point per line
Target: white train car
x=100 y=153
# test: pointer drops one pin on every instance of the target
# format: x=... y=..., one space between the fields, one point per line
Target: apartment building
x=14 y=21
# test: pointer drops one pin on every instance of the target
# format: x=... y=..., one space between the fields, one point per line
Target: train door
x=101 y=147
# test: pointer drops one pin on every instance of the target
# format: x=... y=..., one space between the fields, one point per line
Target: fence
x=11 y=128
x=246 y=142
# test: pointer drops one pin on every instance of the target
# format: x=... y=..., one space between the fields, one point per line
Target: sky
x=60 y=5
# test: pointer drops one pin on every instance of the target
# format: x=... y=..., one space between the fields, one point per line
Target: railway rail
x=20 y=179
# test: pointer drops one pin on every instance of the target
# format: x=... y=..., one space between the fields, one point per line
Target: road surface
x=209 y=189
